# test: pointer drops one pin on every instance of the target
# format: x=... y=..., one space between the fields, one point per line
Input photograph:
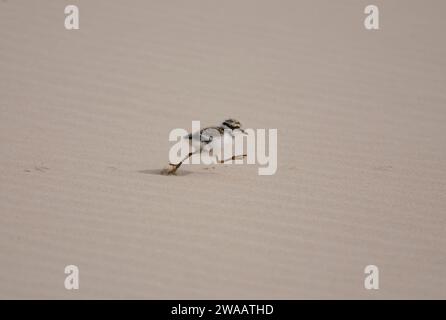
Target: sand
x=84 y=123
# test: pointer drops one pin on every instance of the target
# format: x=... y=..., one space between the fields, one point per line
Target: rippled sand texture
x=84 y=123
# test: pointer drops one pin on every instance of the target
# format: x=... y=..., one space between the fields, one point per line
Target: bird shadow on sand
x=158 y=172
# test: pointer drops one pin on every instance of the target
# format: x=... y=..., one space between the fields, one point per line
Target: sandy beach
x=84 y=122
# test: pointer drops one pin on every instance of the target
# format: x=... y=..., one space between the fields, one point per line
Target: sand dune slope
x=84 y=123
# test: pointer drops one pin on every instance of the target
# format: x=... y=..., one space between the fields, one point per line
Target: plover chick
x=208 y=139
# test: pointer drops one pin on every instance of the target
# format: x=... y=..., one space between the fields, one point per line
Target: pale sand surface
x=84 y=123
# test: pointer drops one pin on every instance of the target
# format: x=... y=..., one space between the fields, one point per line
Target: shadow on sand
x=158 y=172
